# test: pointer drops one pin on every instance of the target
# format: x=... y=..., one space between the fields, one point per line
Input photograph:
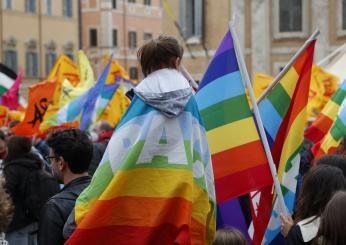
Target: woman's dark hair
x=335 y=160
x=333 y=222
x=227 y=236
x=319 y=185
x=159 y=53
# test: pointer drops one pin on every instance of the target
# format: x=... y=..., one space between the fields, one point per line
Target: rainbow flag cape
x=334 y=136
x=326 y=117
x=154 y=184
x=284 y=115
x=231 y=129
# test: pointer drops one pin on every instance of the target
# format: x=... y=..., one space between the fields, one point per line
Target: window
x=8 y=4
x=290 y=16
x=133 y=73
x=11 y=59
x=31 y=64
x=114 y=4
x=147 y=36
x=132 y=39
x=132 y=1
x=115 y=37
x=50 y=61
x=147 y=2
x=191 y=18
x=67 y=8
x=49 y=7
x=30 y=6
x=93 y=38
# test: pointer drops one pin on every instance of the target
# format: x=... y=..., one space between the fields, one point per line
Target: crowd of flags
x=71 y=96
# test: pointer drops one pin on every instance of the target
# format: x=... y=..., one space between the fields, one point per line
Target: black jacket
x=57 y=210
x=99 y=149
x=16 y=172
x=294 y=237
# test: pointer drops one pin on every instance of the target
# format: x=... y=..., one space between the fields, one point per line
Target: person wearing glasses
x=70 y=156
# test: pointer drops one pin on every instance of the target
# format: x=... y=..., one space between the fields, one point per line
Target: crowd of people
x=42 y=178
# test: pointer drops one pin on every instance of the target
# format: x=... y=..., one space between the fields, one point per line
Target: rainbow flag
x=284 y=115
x=239 y=162
x=83 y=104
x=334 y=136
x=154 y=184
x=326 y=117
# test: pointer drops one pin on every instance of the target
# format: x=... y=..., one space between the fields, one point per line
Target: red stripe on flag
x=238 y=159
x=319 y=128
x=242 y=182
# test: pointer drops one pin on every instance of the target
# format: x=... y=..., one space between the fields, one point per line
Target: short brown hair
x=159 y=53
x=6 y=207
x=227 y=236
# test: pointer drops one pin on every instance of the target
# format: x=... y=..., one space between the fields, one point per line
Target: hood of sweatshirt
x=167 y=90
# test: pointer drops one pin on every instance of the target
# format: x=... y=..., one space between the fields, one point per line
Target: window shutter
x=198 y=29
x=182 y=16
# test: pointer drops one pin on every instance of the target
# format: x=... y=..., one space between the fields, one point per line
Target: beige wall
x=24 y=26
x=129 y=17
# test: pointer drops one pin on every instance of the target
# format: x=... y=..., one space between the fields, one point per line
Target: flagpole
x=325 y=59
x=289 y=64
x=188 y=76
x=258 y=119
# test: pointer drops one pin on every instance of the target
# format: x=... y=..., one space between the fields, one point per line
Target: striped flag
x=326 y=117
x=334 y=136
x=284 y=115
x=154 y=184
x=7 y=78
x=239 y=162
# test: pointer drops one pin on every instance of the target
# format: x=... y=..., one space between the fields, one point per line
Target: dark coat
x=16 y=172
x=57 y=210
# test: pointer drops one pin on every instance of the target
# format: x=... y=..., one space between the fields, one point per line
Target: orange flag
x=40 y=95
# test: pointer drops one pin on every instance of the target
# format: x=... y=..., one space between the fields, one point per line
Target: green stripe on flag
x=100 y=181
x=280 y=99
x=3 y=90
x=339 y=96
x=225 y=112
x=338 y=129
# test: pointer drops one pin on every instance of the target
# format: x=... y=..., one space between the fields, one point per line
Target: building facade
x=269 y=31
x=34 y=32
x=119 y=27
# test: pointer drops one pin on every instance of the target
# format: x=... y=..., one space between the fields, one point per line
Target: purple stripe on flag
x=227 y=43
x=221 y=65
x=231 y=215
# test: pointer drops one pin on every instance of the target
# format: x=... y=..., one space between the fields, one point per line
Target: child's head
x=229 y=236
x=163 y=52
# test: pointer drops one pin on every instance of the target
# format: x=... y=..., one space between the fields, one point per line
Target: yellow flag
x=116 y=107
x=115 y=70
x=87 y=80
x=322 y=87
x=64 y=68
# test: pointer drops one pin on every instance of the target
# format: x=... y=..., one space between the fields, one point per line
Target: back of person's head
x=333 y=222
x=105 y=126
x=74 y=146
x=336 y=160
x=319 y=184
x=6 y=207
x=163 y=52
x=18 y=147
x=229 y=236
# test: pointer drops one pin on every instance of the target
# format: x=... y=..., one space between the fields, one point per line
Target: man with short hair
x=70 y=156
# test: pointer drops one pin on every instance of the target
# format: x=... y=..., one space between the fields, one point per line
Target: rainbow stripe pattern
x=239 y=161
x=154 y=184
x=326 y=117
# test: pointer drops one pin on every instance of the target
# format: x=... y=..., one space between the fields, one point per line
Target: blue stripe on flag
x=222 y=88
x=270 y=117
